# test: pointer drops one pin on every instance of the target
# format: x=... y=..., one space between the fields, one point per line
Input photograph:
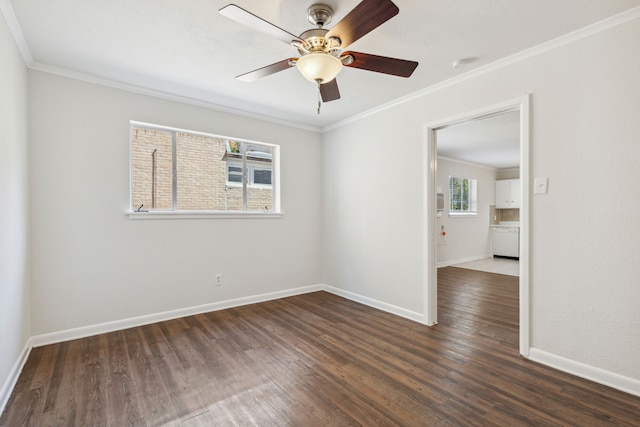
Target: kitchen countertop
x=510 y=224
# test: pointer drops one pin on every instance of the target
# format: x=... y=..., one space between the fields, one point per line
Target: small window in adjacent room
x=463 y=196
x=174 y=170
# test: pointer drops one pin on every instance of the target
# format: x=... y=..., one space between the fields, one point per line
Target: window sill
x=463 y=214
x=201 y=215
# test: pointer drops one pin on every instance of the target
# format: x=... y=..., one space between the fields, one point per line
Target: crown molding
x=88 y=78
x=466 y=163
x=16 y=31
x=595 y=28
x=589 y=30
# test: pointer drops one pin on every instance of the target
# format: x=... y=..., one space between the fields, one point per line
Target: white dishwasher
x=506 y=241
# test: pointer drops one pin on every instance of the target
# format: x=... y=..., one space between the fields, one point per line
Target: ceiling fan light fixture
x=319 y=67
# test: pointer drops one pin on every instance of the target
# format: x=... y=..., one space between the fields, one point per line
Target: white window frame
x=174 y=213
x=251 y=168
x=472 y=201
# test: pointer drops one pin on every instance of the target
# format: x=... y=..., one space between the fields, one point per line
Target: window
x=174 y=170
x=256 y=175
x=463 y=196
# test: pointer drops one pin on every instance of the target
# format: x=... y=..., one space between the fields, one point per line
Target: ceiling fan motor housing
x=319 y=14
x=315 y=42
x=321 y=57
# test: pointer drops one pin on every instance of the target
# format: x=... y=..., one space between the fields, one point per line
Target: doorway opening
x=433 y=232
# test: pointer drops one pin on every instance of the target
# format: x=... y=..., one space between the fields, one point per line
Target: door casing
x=430 y=276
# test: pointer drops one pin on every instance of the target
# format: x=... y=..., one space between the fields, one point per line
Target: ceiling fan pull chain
x=319 y=97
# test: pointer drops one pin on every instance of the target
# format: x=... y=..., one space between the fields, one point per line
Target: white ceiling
x=493 y=141
x=187 y=49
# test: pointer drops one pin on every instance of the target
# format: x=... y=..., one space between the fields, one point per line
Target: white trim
x=116 y=325
x=156 y=93
x=429 y=213
x=605 y=24
x=620 y=382
x=154 y=126
x=203 y=215
x=591 y=373
x=429 y=244
x=16 y=30
x=525 y=195
x=589 y=30
x=476 y=165
x=383 y=306
x=12 y=379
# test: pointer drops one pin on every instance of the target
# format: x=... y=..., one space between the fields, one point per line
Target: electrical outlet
x=219 y=279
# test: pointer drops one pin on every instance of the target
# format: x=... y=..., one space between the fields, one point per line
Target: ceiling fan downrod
x=321 y=50
x=319 y=15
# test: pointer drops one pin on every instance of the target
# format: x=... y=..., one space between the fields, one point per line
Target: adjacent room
x=478 y=182
x=341 y=213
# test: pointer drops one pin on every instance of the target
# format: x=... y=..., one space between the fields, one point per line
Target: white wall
x=15 y=314
x=585 y=234
x=92 y=264
x=468 y=237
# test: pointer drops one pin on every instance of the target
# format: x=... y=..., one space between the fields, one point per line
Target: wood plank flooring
x=315 y=360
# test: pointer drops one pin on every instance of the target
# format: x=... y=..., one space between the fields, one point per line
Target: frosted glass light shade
x=319 y=67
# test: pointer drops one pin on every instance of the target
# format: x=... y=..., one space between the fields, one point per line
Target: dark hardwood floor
x=313 y=360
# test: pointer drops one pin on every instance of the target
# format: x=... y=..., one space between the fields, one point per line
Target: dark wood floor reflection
x=313 y=360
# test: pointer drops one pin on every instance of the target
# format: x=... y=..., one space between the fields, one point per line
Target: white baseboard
x=117 y=325
x=389 y=308
x=462 y=260
x=86 y=331
x=626 y=384
x=12 y=379
x=610 y=379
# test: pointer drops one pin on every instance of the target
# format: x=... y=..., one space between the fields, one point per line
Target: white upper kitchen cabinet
x=508 y=194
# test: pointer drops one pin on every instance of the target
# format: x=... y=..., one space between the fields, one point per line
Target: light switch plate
x=540 y=185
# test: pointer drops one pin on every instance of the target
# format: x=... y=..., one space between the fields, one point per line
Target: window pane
x=201 y=171
x=463 y=194
x=455 y=193
x=151 y=176
x=260 y=193
x=182 y=170
x=262 y=176
x=259 y=152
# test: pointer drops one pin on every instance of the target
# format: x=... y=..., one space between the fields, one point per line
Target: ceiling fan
x=321 y=56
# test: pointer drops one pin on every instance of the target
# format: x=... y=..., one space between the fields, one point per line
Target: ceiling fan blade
x=250 y=20
x=381 y=64
x=266 y=71
x=366 y=16
x=329 y=91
